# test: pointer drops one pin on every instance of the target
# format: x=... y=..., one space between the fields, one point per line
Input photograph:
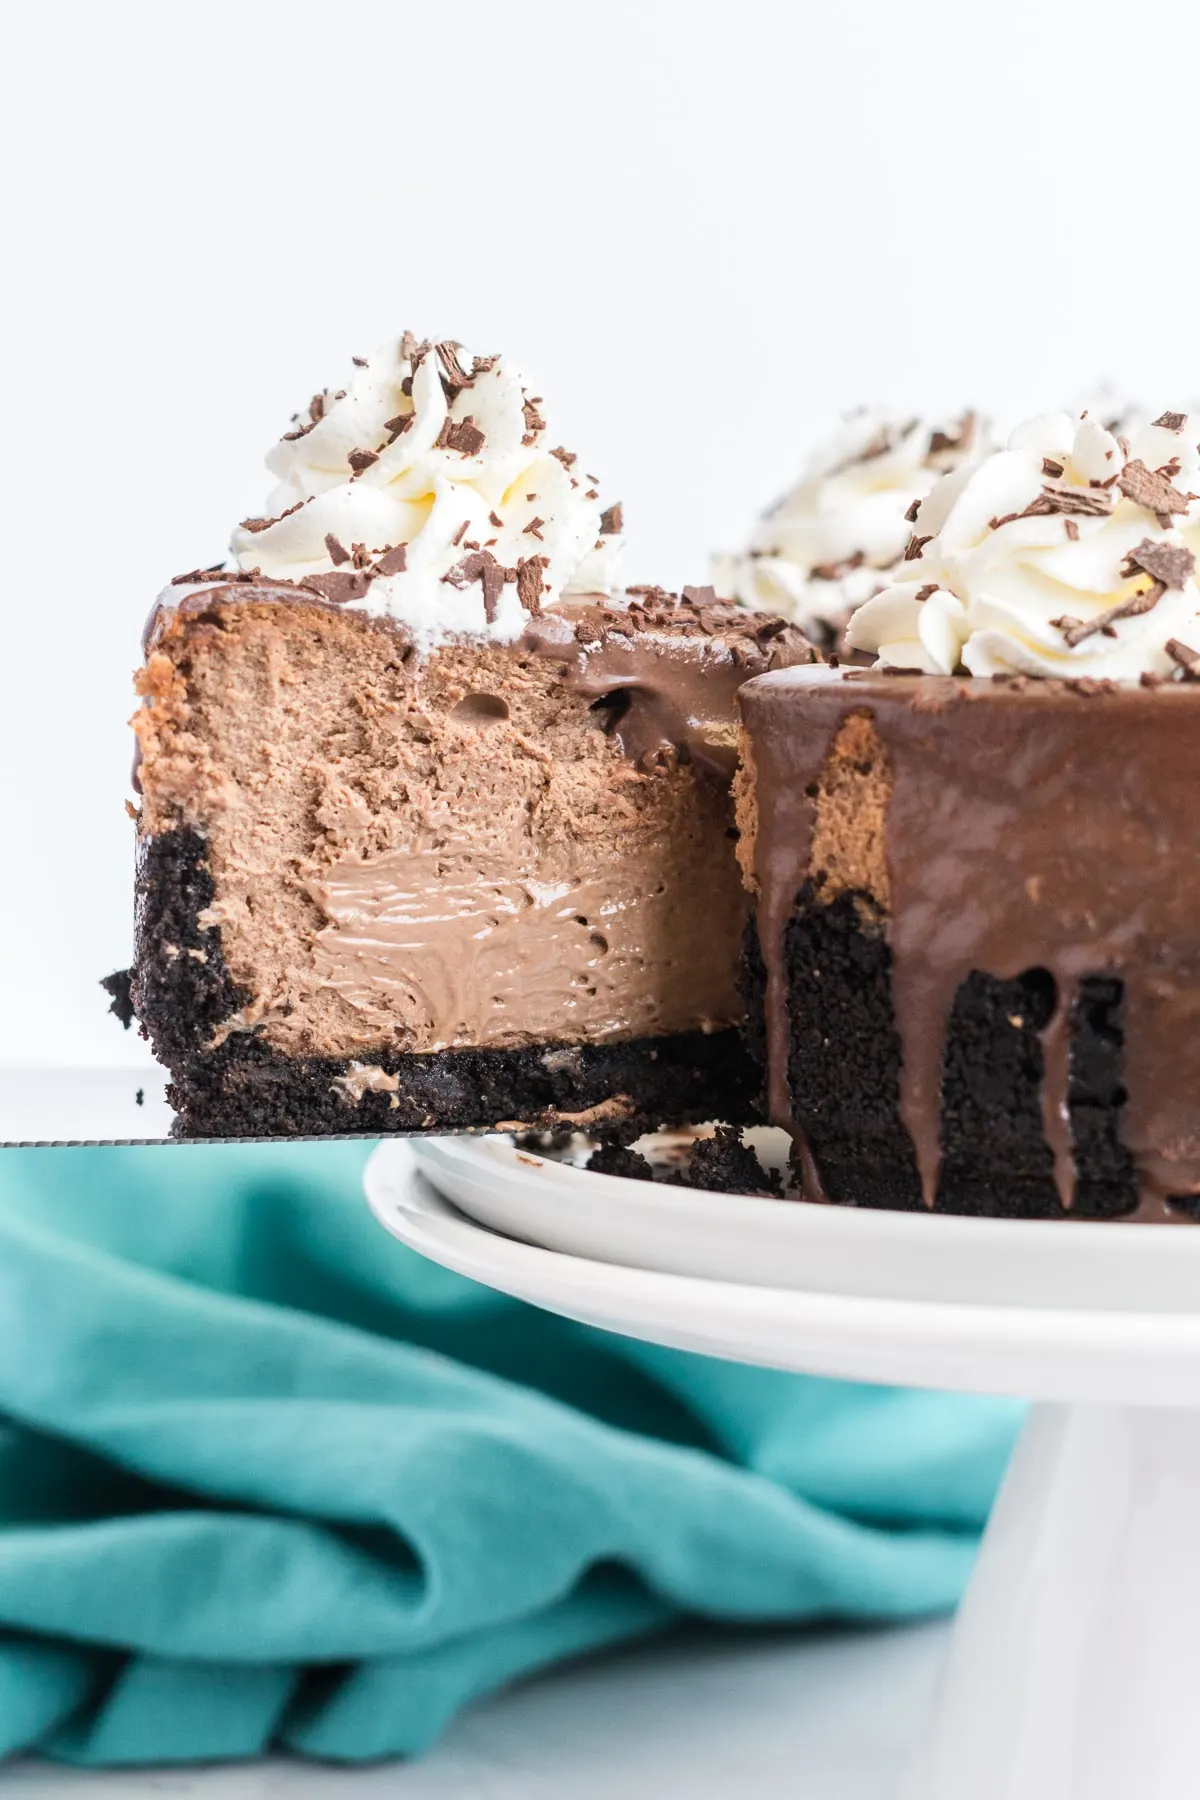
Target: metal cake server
x=64 y=1107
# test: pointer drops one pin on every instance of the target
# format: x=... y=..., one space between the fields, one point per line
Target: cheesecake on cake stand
x=977 y=919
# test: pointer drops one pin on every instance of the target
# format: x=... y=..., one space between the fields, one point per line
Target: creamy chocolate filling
x=1028 y=825
x=485 y=845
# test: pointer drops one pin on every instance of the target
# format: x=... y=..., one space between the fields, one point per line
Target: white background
x=703 y=229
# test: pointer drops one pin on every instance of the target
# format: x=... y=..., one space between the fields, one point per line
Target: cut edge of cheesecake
x=480 y=886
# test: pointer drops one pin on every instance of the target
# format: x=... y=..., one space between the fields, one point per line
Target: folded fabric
x=268 y=1479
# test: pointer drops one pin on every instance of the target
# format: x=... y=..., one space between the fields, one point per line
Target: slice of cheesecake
x=386 y=887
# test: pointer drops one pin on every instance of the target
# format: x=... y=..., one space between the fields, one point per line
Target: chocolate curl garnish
x=1146 y=487
x=1075 y=631
x=256 y=525
x=1186 y=658
x=338 y=586
x=612 y=520
x=530 y=583
x=462 y=435
x=480 y=566
x=534 y=421
x=1172 y=564
x=454 y=376
x=942 y=441
x=1094 y=503
x=392 y=561
x=216 y=573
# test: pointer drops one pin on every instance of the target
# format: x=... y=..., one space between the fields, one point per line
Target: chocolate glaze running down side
x=1030 y=826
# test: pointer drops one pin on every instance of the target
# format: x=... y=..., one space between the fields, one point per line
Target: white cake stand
x=1075 y=1667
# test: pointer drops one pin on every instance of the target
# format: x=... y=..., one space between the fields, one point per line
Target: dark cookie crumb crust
x=183 y=992
x=844 y=1078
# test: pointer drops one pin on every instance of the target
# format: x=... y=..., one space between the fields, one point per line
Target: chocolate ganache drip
x=1028 y=826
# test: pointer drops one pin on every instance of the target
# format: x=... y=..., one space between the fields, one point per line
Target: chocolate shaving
x=941 y=441
x=480 y=566
x=1072 y=530
x=1050 y=467
x=361 y=555
x=534 y=528
x=360 y=460
x=265 y=524
x=461 y=533
x=338 y=586
x=1055 y=497
x=529 y=582
x=398 y=426
x=410 y=349
x=534 y=421
x=1074 y=631
x=612 y=520
x=1154 y=492
x=914 y=508
x=338 y=552
x=462 y=435
x=496 y=520
x=923 y=593
x=1170 y=564
x=836 y=571
x=700 y=596
x=392 y=561
x=216 y=573
x=566 y=457
x=360 y=362
x=914 y=547
x=1187 y=658
x=316 y=409
x=1170 y=421
x=454 y=376
x=1149 y=679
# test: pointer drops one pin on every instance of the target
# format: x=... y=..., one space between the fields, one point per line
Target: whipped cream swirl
x=828 y=544
x=1067 y=554
x=426 y=489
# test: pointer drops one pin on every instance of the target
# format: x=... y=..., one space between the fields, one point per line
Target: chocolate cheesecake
x=430 y=836
x=977 y=879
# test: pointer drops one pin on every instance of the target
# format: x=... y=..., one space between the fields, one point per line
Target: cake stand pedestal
x=1075 y=1664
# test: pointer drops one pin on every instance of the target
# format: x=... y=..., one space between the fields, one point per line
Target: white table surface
x=817 y=1716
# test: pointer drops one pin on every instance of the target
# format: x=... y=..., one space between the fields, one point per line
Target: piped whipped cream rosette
x=426 y=489
x=1067 y=554
x=830 y=543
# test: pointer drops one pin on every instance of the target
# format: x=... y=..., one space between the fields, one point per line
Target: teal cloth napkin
x=268 y=1479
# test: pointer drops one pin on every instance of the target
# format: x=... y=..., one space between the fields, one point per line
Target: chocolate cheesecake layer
x=360 y=861
x=978 y=909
